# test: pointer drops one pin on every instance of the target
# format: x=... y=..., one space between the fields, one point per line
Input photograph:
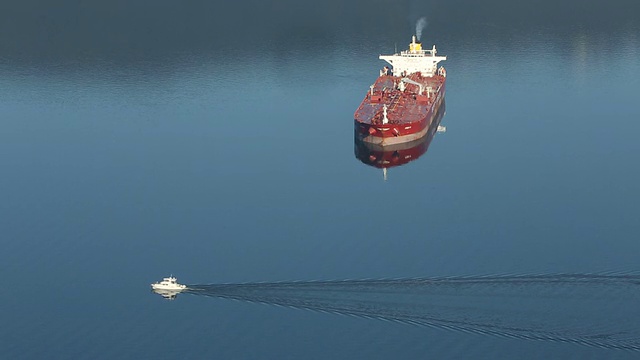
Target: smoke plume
x=421 y=25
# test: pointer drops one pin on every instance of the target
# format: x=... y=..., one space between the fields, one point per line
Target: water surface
x=141 y=139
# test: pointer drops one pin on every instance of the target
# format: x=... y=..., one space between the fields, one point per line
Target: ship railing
x=417 y=53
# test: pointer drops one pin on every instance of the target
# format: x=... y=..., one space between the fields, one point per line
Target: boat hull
x=387 y=156
x=400 y=130
x=390 y=155
x=169 y=288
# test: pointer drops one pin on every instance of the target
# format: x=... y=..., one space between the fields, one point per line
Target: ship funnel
x=415 y=45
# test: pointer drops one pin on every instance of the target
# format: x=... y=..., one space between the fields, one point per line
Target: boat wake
x=598 y=310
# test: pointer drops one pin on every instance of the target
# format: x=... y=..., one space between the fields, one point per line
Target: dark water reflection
x=215 y=141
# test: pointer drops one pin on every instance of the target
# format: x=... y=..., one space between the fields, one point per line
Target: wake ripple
x=599 y=310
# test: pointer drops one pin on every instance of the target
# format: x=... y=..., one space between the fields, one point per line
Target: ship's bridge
x=414 y=60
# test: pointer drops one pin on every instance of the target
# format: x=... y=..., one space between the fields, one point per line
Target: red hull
x=410 y=112
x=399 y=154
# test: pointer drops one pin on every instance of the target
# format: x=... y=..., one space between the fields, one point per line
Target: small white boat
x=168 y=283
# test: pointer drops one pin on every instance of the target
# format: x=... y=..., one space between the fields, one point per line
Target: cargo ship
x=385 y=157
x=404 y=100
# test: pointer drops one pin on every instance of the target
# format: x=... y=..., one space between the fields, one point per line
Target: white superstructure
x=414 y=60
x=168 y=283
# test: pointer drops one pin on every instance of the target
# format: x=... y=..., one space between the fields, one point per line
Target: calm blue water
x=215 y=142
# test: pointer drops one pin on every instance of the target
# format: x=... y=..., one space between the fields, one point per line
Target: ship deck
x=403 y=107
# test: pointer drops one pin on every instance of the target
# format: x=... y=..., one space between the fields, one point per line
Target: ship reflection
x=384 y=157
x=167 y=294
